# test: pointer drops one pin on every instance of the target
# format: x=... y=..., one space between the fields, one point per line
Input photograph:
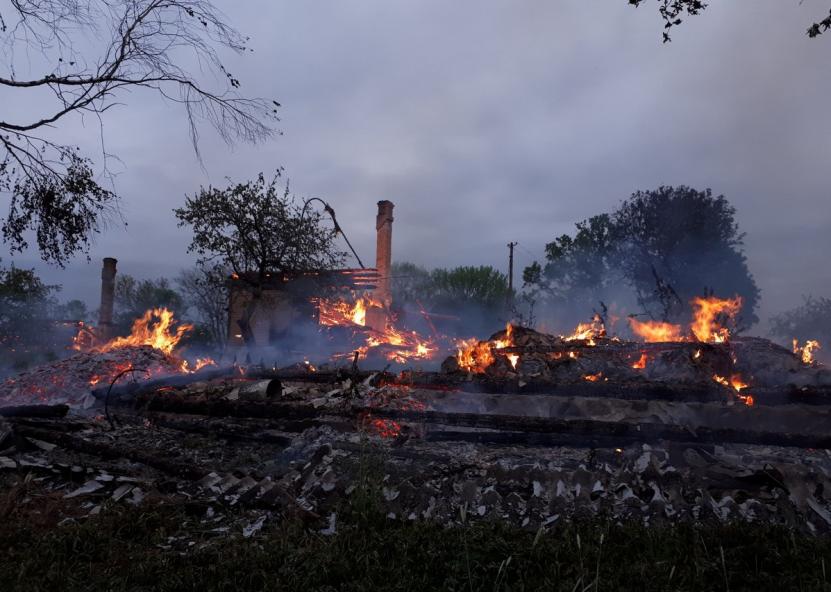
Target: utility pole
x=511 y=246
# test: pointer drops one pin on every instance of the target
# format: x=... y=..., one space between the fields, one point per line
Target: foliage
x=410 y=282
x=463 y=287
x=25 y=303
x=73 y=310
x=453 y=291
x=257 y=229
x=205 y=291
x=671 y=12
x=810 y=320
x=133 y=298
x=85 y=55
x=666 y=246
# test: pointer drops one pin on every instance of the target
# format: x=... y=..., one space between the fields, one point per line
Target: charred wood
x=41 y=411
x=639 y=432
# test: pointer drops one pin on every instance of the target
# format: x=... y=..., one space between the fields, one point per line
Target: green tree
x=411 y=283
x=25 y=303
x=463 y=288
x=663 y=247
x=256 y=229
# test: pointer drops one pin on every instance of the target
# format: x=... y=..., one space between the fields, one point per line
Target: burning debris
x=148 y=351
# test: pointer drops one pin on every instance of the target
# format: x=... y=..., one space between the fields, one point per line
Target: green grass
x=117 y=551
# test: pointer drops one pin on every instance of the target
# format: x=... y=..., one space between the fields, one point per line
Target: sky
x=489 y=121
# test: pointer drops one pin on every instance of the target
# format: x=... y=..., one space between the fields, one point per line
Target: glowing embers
x=806 y=352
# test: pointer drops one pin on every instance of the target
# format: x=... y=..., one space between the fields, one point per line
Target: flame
x=656 y=331
x=332 y=313
x=737 y=383
x=641 y=363
x=806 y=352
x=155 y=329
x=513 y=359
x=198 y=365
x=406 y=344
x=588 y=331
x=474 y=355
x=593 y=377
x=707 y=313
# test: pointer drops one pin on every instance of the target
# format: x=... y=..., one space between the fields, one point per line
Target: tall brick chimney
x=376 y=317
x=105 y=312
x=383 y=252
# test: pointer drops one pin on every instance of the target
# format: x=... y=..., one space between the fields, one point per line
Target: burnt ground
x=352 y=486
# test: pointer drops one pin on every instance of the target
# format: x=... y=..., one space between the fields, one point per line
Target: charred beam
x=627 y=432
x=35 y=411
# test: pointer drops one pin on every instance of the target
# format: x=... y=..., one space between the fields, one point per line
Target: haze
x=489 y=122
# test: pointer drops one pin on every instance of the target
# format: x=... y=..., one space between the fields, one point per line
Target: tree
x=467 y=287
x=810 y=320
x=205 y=290
x=133 y=298
x=671 y=12
x=666 y=246
x=24 y=307
x=83 y=55
x=411 y=283
x=257 y=229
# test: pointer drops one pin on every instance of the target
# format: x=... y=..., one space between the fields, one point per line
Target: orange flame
x=806 y=352
x=333 y=313
x=656 y=331
x=154 y=328
x=707 y=313
x=593 y=377
x=588 y=332
x=641 y=363
x=737 y=383
x=198 y=365
x=474 y=355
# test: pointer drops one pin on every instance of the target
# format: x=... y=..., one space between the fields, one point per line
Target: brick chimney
x=377 y=317
x=105 y=312
x=383 y=252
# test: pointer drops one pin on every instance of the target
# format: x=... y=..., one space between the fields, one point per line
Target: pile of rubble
x=70 y=380
x=529 y=361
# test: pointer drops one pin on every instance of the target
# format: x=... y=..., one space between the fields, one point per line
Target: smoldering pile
x=69 y=380
x=520 y=359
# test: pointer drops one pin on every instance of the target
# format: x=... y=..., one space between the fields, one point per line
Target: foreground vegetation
x=121 y=549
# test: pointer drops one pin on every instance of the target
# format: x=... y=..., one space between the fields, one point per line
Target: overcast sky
x=491 y=121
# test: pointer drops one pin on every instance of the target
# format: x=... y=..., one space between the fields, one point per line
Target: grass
x=118 y=550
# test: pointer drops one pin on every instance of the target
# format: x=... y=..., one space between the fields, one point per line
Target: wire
x=329 y=210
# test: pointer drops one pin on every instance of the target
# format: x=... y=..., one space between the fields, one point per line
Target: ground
x=163 y=544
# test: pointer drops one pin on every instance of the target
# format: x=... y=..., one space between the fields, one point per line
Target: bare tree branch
x=144 y=44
